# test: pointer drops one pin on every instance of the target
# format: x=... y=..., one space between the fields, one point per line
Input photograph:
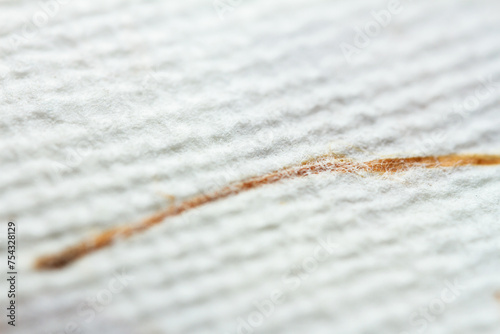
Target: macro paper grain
x=250 y=166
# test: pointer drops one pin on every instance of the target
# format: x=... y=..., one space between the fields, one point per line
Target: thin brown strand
x=326 y=163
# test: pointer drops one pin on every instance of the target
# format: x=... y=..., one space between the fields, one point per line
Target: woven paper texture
x=113 y=110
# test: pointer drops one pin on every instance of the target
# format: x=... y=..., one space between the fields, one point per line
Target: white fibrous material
x=113 y=110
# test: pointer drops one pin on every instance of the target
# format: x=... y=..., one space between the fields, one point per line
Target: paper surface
x=109 y=108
